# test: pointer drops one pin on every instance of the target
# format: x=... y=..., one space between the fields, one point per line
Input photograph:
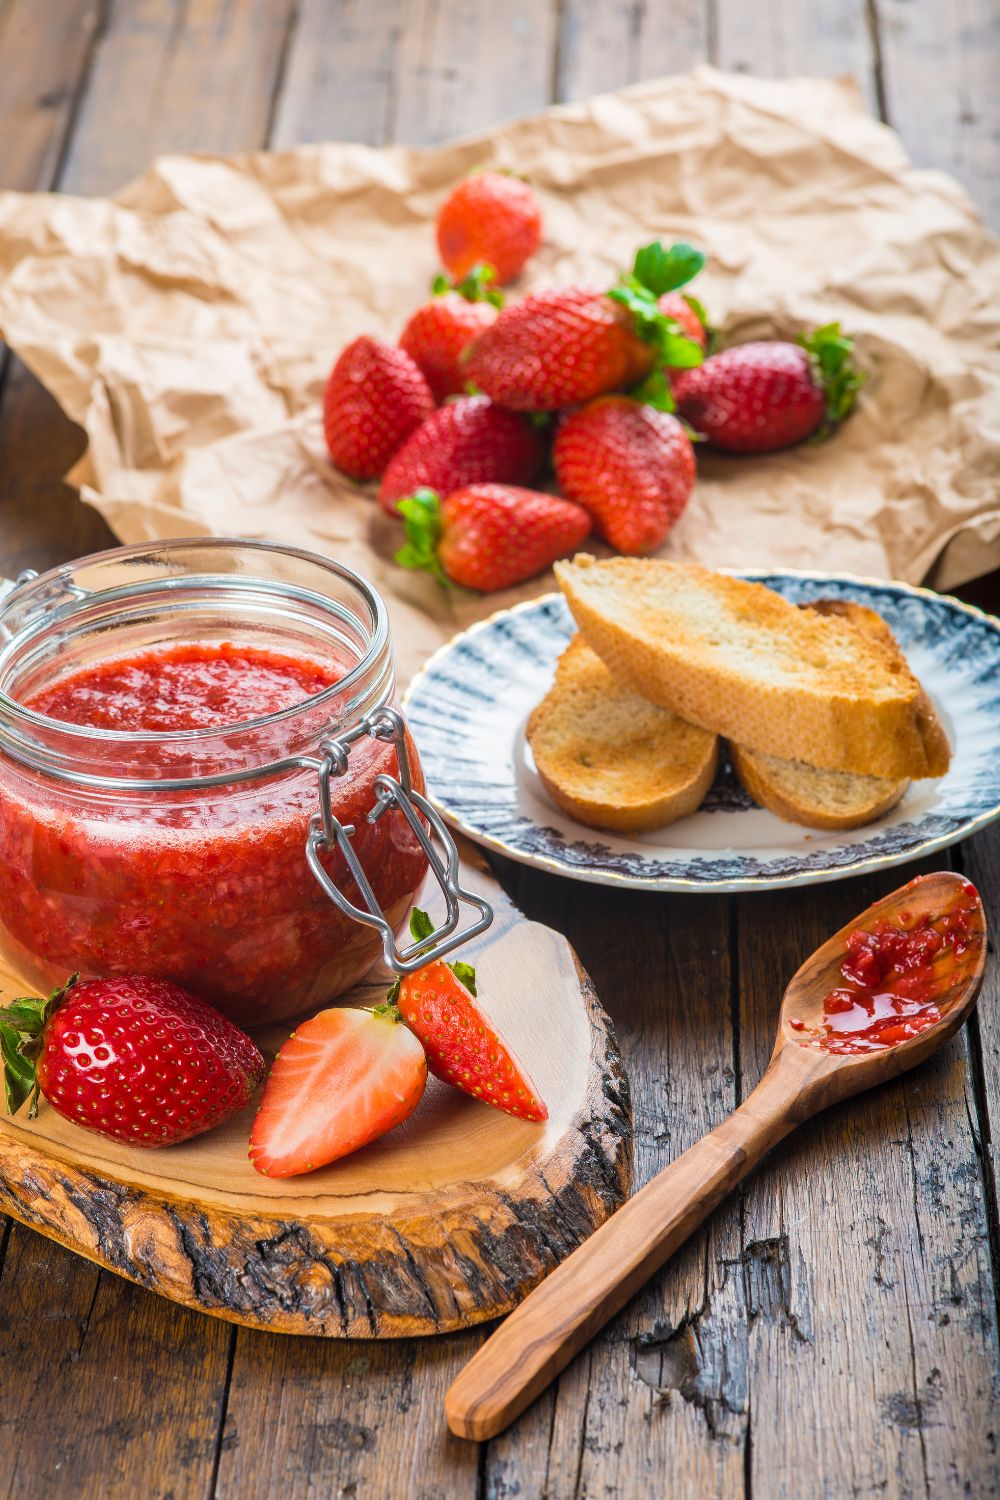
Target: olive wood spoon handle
x=560 y=1316
x=563 y=1313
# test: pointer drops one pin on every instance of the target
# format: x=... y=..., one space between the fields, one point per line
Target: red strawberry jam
x=209 y=888
x=893 y=978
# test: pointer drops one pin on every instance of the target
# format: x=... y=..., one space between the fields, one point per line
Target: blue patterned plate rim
x=644 y=865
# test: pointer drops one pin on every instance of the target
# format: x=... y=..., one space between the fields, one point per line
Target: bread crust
x=610 y=759
x=739 y=660
x=772 y=783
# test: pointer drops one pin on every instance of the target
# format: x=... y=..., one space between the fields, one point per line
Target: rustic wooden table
x=833 y=1330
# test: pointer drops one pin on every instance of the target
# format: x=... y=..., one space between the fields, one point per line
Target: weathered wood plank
x=165 y=75
x=43 y=57
x=941 y=62
x=42 y=522
x=308 y=1419
x=635 y=1407
x=605 y=46
x=43 y=62
x=340 y=79
x=106 y=1391
x=980 y=859
x=463 y=66
x=865 y=1261
x=776 y=39
x=176 y=75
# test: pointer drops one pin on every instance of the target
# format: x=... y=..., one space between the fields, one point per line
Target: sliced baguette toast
x=805 y=794
x=817 y=799
x=737 y=659
x=610 y=759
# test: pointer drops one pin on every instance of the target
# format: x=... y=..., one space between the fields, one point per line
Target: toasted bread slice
x=818 y=799
x=610 y=759
x=805 y=794
x=738 y=659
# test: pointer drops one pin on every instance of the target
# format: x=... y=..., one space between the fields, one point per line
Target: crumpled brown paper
x=188 y=323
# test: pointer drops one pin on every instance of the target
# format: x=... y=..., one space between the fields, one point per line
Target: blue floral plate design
x=468 y=707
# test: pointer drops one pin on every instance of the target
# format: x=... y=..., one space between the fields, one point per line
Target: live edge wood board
x=447 y=1221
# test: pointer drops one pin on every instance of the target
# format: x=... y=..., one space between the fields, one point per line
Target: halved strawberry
x=462 y=1045
x=340 y=1081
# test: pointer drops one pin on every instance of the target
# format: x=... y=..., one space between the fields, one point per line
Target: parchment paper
x=189 y=322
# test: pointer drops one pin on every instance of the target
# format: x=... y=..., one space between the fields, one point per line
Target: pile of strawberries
x=610 y=385
x=142 y=1061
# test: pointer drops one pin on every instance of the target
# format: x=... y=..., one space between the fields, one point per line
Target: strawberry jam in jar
x=202 y=777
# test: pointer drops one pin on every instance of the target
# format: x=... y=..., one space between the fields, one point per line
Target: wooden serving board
x=448 y=1220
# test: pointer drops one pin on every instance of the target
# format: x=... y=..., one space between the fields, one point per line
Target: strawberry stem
x=421 y=512
x=832 y=356
x=22 y=1024
x=655 y=272
x=421 y=928
x=475 y=286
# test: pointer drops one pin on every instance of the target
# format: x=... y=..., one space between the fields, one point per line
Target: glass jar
x=261 y=864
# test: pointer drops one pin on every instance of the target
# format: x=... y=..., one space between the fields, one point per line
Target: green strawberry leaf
x=18 y=1070
x=475 y=286
x=421 y=513
x=655 y=390
x=21 y=1025
x=466 y=975
x=672 y=345
x=421 y=925
x=832 y=355
x=661 y=270
x=698 y=308
x=421 y=928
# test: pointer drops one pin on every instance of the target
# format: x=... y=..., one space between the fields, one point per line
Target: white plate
x=468 y=707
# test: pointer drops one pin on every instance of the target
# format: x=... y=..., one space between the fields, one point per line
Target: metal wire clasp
x=327 y=832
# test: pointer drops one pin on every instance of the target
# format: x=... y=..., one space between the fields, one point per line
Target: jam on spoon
x=892 y=978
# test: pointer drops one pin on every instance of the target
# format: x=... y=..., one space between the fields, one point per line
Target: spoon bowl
x=955 y=975
x=915 y=960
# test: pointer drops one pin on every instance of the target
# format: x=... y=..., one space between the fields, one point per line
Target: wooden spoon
x=562 y=1314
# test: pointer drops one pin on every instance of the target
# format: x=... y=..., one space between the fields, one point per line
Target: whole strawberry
x=756 y=397
x=631 y=466
x=469 y=441
x=492 y=218
x=136 y=1059
x=562 y=347
x=375 y=397
x=438 y=332
x=489 y=536
x=440 y=1005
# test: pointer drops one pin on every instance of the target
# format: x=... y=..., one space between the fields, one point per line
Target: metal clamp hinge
x=327 y=832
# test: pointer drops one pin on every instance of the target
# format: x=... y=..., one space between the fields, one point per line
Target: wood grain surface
x=562 y=1315
x=832 y=1331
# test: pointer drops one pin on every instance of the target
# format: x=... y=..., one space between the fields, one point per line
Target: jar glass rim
x=378 y=641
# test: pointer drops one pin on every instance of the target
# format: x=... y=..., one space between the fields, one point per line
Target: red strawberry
x=439 y=1003
x=375 y=397
x=562 y=347
x=469 y=441
x=340 y=1081
x=492 y=218
x=757 y=397
x=630 y=465
x=489 y=536
x=438 y=332
x=136 y=1059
